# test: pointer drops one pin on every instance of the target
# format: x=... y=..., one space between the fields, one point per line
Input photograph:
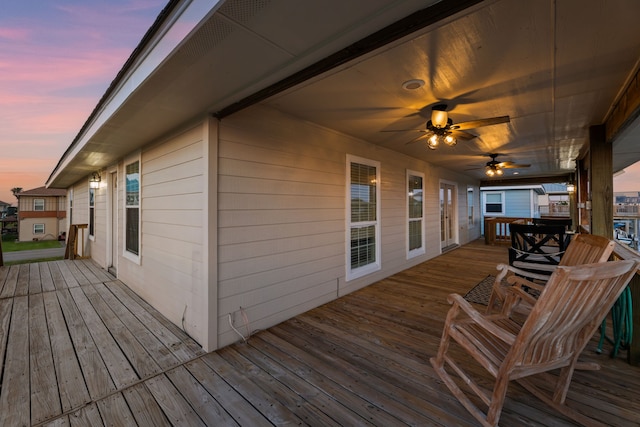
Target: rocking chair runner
x=566 y=315
x=583 y=249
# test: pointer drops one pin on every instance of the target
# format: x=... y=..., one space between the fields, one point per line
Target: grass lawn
x=13 y=246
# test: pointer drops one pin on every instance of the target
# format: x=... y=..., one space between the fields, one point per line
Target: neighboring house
x=4 y=207
x=41 y=214
x=554 y=202
x=517 y=201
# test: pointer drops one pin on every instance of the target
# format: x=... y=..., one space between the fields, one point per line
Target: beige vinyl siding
x=170 y=274
x=282 y=222
x=50 y=229
x=98 y=243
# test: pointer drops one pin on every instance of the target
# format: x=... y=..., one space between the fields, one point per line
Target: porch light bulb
x=490 y=172
x=433 y=141
x=571 y=188
x=499 y=171
x=450 y=140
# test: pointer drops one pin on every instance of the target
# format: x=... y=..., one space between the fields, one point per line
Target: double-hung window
x=38 y=228
x=38 y=204
x=363 y=217
x=470 y=207
x=415 y=208
x=494 y=203
x=132 y=210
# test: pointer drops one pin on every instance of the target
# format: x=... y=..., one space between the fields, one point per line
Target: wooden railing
x=75 y=242
x=496 y=229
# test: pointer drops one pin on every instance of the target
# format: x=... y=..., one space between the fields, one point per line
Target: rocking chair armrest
x=482 y=320
x=509 y=268
x=521 y=281
x=515 y=294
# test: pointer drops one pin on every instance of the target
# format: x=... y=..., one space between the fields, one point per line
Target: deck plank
x=22 y=286
x=35 y=283
x=238 y=407
x=10 y=282
x=75 y=271
x=87 y=416
x=95 y=372
x=121 y=371
x=69 y=278
x=58 y=422
x=86 y=272
x=5 y=317
x=45 y=277
x=115 y=411
x=162 y=355
x=4 y=272
x=100 y=273
x=209 y=410
x=138 y=357
x=71 y=384
x=144 y=408
x=45 y=401
x=149 y=317
x=56 y=276
x=175 y=407
x=15 y=397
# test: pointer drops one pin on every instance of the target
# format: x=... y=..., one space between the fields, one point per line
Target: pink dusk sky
x=57 y=58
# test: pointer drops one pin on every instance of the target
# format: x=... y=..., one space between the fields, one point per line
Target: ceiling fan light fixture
x=433 y=141
x=439 y=118
x=450 y=140
x=499 y=172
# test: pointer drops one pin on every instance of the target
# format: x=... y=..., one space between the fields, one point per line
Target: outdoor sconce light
x=94 y=181
x=571 y=188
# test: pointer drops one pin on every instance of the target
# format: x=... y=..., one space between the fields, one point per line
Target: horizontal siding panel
x=167 y=175
x=239 y=251
x=193 y=201
x=178 y=186
x=176 y=232
x=273 y=262
x=276 y=172
x=296 y=159
x=186 y=138
x=233 y=235
x=182 y=264
x=330 y=267
x=239 y=218
x=191 y=218
x=227 y=184
x=269 y=202
x=174 y=247
x=179 y=156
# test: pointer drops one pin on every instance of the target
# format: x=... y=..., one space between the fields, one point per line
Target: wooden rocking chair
x=559 y=326
x=583 y=249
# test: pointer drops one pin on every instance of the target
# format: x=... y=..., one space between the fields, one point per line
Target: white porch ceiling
x=555 y=67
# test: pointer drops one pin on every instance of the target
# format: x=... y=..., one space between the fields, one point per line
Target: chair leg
x=497 y=400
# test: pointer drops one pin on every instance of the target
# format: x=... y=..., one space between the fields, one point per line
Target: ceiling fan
x=494 y=167
x=442 y=129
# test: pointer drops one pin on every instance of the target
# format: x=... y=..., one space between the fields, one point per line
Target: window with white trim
x=38 y=228
x=494 y=203
x=92 y=211
x=415 y=214
x=132 y=209
x=363 y=213
x=38 y=204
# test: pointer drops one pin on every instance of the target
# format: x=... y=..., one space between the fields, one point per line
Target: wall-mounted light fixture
x=94 y=181
x=571 y=188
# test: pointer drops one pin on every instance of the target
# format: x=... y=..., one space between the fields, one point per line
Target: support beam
x=601 y=180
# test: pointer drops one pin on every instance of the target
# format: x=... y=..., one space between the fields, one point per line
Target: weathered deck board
x=110 y=359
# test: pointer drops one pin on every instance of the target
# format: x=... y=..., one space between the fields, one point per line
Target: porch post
x=601 y=180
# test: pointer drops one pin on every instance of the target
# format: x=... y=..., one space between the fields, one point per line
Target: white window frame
x=92 y=213
x=484 y=203
x=38 y=232
x=131 y=256
x=411 y=253
x=36 y=204
x=354 y=273
x=471 y=207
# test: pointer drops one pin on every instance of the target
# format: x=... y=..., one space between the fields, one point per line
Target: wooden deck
x=78 y=348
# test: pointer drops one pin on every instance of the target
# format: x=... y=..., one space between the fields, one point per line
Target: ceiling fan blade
x=511 y=165
x=418 y=138
x=475 y=169
x=482 y=122
x=462 y=135
x=404 y=130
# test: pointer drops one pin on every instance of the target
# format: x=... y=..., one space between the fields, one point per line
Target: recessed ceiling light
x=516 y=173
x=413 y=84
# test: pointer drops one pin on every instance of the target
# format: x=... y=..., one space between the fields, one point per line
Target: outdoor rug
x=481 y=292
